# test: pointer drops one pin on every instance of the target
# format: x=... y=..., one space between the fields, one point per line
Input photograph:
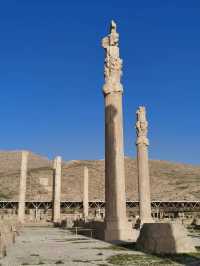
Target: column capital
x=141 y=126
x=112 y=62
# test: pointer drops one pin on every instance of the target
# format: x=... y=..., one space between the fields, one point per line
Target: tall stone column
x=142 y=144
x=57 y=189
x=22 y=186
x=116 y=224
x=85 y=193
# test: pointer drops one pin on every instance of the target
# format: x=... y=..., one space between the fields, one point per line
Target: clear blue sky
x=51 y=75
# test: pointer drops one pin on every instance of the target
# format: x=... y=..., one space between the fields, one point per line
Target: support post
x=85 y=193
x=56 y=189
x=142 y=144
x=116 y=224
x=22 y=186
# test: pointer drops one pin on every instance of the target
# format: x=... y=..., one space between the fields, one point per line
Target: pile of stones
x=9 y=228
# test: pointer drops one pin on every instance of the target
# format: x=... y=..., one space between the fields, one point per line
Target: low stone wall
x=9 y=228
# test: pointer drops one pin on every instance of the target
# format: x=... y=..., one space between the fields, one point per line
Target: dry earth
x=169 y=181
x=53 y=246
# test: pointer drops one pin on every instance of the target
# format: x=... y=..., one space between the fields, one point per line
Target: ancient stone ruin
x=57 y=189
x=112 y=224
x=22 y=188
x=165 y=238
x=142 y=143
x=156 y=238
x=9 y=229
x=116 y=222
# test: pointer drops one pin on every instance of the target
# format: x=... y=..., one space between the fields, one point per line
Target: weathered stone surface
x=22 y=187
x=164 y=238
x=57 y=189
x=116 y=224
x=85 y=193
x=142 y=143
x=8 y=231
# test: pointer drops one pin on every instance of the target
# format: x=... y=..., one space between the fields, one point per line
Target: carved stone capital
x=141 y=123
x=112 y=62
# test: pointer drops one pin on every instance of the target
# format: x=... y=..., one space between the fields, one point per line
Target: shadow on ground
x=139 y=258
x=151 y=259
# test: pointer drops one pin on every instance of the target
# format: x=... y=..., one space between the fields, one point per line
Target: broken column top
x=113 y=37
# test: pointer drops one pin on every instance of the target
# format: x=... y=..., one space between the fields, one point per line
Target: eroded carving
x=112 y=63
x=141 y=126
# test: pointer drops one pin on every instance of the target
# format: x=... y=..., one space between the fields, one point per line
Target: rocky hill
x=169 y=181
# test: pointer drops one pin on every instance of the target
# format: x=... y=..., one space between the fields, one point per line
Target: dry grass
x=169 y=181
x=147 y=259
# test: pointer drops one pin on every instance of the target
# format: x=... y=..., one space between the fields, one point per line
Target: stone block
x=164 y=238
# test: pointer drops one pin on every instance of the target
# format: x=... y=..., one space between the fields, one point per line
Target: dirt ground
x=54 y=246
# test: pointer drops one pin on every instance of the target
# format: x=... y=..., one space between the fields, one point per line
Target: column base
x=165 y=238
x=118 y=235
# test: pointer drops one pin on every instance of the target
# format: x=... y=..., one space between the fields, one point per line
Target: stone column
x=142 y=144
x=56 y=189
x=85 y=193
x=36 y=214
x=22 y=186
x=116 y=224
